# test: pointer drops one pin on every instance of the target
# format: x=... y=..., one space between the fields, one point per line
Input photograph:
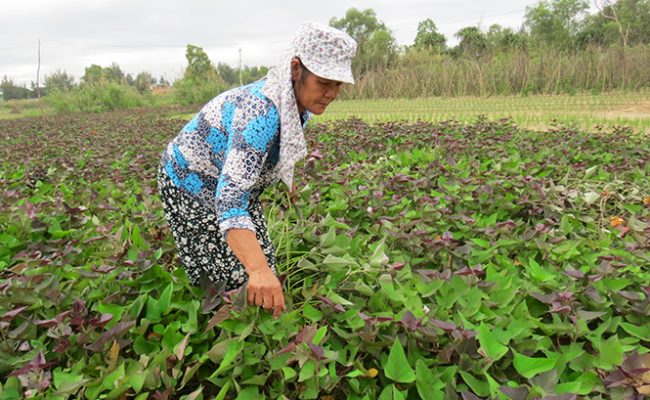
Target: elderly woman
x=245 y=139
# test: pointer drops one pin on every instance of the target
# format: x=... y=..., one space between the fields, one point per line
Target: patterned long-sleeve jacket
x=226 y=155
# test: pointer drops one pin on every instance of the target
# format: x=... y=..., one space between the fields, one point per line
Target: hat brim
x=339 y=72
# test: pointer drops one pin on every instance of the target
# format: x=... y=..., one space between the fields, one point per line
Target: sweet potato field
x=419 y=261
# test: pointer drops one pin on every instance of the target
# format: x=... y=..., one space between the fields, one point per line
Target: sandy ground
x=640 y=110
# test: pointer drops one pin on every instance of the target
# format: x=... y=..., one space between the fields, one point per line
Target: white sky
x=152 y=35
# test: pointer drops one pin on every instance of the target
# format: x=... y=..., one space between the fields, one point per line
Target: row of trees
x=61 y=81
x=550 y=25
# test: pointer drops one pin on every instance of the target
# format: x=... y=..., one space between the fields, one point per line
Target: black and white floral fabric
x=239 y=143
x=200 y=244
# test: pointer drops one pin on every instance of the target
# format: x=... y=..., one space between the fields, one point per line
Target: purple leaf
x=336 y=307
x=632 y=296
x=306 y=334
x=587 y=316
x=518 y=393
x=409 y=321
x=615 y=379
x=544 y=298
x=9 y=315
x=397 y=266
x=509 y=224
x=290 y=348
x=445 y=326
x=114 y=333
x=560 y=309
x=318 y=351
x=16 y=333
x=468 y=333
x=46 y=323
x=219 y=316
x=574 y=273
x=79 y=306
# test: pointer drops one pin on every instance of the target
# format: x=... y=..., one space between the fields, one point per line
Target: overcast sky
x=152 y=35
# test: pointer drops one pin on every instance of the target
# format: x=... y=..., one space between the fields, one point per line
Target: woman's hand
x=264 y=289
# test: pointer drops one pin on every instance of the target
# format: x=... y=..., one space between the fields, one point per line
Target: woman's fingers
x=279 y=304
x=267 y=295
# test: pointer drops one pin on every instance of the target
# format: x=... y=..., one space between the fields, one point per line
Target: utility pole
x=38 y=71
x=241 y=82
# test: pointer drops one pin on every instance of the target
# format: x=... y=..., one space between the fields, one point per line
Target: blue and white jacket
x=226 y=155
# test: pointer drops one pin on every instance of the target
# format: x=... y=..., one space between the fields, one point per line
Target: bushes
x=419 y=74
x=196 y=91
x=106 y=96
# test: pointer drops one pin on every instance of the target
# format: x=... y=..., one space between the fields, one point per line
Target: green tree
x=93 y=75
x=59 y=81
x=626 y=22
x=129 y=80
x=198 y=64
x=472 y=41
x=376 y=45
x=11 y=91
x=228 y=74
x=200 y=82
x=143 y=82
x=252 y=74
x=555 y=23
x=113 y=73
x=428 y=38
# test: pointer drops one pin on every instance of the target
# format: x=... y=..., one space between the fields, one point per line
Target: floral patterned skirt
x=202 y=249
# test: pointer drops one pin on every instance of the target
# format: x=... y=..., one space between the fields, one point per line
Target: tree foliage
x=376 y=45
x=555 y=23
x=201 y=81
x=428 y=38
x=11 y=91
x=59 y=81
x=473 y=42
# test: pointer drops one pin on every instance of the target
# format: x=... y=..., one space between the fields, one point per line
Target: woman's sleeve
x=249 y=141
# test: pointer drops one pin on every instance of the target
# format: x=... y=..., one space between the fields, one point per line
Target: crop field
x=582 y=111
x=420 y=260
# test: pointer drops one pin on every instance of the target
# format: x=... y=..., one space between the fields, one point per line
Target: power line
x=17 y=47
x=125 y=45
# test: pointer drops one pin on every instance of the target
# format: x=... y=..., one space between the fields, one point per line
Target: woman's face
x=313 y=93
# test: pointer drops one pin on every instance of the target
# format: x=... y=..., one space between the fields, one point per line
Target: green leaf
x=391 y=393
x=67 y=382
x=320 y=334
x=397 y=367
x=479 y=387
x=223 y=392
x=249 y=393
x=490 y=344
x=288 y=373
x=355 y=373
x=428 y=387
x=165 y=299
x=387 y=285
x=530 y=366
x=311 y=313
x=307 y=371
x=537 y=272
x=611 y=351
x=641 y=332
x=235 y=347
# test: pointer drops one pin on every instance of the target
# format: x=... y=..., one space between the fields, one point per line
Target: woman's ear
x=295 y=69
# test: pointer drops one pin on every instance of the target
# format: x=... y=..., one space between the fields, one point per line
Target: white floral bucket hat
x=326 y=52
